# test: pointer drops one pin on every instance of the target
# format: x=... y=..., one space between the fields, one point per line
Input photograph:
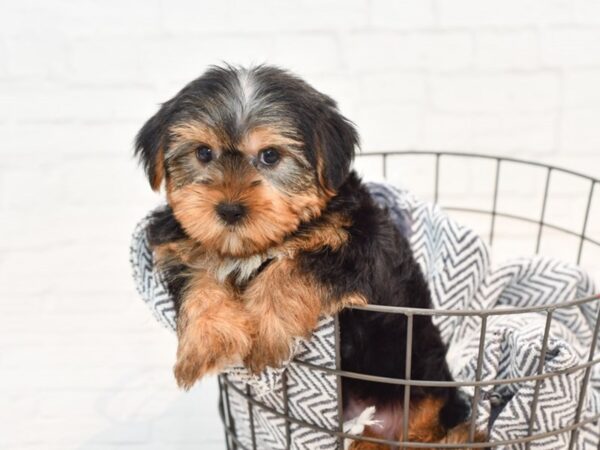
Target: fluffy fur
x=254 y=251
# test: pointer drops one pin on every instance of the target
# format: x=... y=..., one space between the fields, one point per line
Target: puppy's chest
x=240 y=271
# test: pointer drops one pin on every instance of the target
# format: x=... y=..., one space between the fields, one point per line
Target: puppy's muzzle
x=231 y=213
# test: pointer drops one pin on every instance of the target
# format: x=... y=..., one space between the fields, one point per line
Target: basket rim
x=473 y=311
x=485 y=312
x=440 y=153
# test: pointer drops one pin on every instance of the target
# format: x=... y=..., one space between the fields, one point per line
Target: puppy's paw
x=270 y=349
x=192 y=364
x=206 y=348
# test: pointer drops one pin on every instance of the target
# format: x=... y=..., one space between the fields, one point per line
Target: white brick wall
x=82 y=363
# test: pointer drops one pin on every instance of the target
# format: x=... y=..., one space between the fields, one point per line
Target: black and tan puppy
x=268 y=228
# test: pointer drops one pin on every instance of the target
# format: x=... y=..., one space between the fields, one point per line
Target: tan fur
x=323 y=184
x=423 y=421
x=184 y=251
x=159 y=171
x=335 y=305
x=331 y=233
x=263 y=137
x=460 y=434
x=199 y=133
x=284 y=303
x=279 y=305
x=213 y=330
x=271 y=215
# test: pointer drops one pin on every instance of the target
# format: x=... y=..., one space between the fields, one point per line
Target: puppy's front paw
x=202 y=351
x=210 y=344
x=192 y=364
x=269 y=349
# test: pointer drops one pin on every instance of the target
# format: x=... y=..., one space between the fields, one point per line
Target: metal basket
x=500 y=169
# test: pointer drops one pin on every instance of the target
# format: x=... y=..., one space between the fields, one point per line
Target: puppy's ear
x=336 y=142
x=150 y=142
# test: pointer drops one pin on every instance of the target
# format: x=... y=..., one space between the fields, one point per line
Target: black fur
x=378 y=264
x=162 y=229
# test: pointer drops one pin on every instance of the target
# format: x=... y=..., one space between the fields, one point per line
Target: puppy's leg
x=285 y=304
x=213 y=330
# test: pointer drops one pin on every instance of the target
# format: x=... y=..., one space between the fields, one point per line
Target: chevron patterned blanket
x=456 y=262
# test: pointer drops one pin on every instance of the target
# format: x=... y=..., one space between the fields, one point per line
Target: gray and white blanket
x=456 y=263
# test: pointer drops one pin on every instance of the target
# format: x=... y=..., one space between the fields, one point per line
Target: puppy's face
x=246 y=156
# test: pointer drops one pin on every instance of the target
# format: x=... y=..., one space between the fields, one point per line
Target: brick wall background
x=82 y=363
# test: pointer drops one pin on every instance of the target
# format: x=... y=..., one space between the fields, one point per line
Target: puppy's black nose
x=231 y=212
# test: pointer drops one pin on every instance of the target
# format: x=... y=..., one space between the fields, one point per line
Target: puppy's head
x=246 y=155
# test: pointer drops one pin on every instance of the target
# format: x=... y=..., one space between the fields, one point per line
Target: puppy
x=267 y=228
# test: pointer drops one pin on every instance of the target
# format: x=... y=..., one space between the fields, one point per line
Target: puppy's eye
x=269 y=156
x=204 y=154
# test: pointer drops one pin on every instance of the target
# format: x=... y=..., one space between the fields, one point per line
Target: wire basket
x=496 y=196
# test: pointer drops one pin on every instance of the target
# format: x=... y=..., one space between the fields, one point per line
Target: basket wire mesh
x=584 y=240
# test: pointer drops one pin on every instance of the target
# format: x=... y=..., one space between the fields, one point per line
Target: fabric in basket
x=457 y=266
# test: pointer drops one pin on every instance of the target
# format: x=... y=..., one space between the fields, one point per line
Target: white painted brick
x=446 y=51
x=76 y=181
x=586 y=12
x=394 y=87
x=3 y=59
x=182 y=58
x=571 y=47
x=188 y=16
x=495 y=93
x=579 y=131
x=402 y=14
x=344 y=89
x=372 y=52
x=307 y=54
x=26 y=17
x=34 y=228
x=446 y=131
x=509 y=13
x=511 y=133
x=266 y=16
x=368 y=52
x=66 y=268
x=105 y=60
x=42 y=57
x=581 y=88
x=22 y=142
x=389 y=127
x=50 y=103
x=498 y=50
x=82 y=18
x=112 y=17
